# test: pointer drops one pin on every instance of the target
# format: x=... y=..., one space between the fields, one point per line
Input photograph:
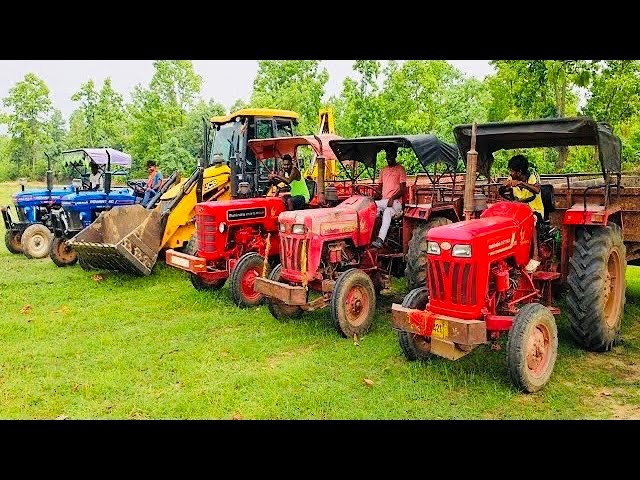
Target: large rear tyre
x=416 y=259
x=243 y=278
x=415 y=347
x=200 y=283
x=532 y=347
x=36 y=241
x=61 y=253
x=279 y=310
x=13 y=241
x=353 y=303
x=596 y=287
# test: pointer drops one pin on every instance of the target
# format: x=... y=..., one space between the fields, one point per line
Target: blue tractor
x=30 y=231
x=92 y=196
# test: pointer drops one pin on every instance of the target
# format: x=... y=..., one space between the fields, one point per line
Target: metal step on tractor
x=30 y=231
x=238 y=239
x=81 y=208
x=130 y=238
x=479 y=288
x=326 y=254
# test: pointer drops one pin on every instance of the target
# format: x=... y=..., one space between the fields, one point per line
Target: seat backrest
x=311 y=185
x=548 y=199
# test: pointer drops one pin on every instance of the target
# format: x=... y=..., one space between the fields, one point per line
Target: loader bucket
x=125 y=238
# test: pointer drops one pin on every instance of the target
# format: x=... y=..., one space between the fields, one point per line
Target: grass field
x=78 y=345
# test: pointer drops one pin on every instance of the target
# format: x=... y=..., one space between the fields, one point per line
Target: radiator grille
x=452 y=281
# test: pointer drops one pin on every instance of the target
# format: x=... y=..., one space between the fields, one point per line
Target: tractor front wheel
x=13 y=241
x=200 y=283
x=416 y=258
x=353 y=303
x=36 y=241
x=596 y=281
x=278 y=309
x=532 y=347
x=243 y=278
x=415 y=347
x=61 y=253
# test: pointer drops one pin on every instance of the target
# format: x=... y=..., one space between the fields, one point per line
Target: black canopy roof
x=428 y=148
x=548 y=132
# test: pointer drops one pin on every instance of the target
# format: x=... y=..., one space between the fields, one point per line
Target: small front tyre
x=280 y=310
x=36 y=241
x=415 y=347
x=243 y=278
x=353 y=303
x=532 y=347
x=13 y=241
x=61 y=253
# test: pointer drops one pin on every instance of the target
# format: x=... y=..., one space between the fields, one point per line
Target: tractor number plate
x=440 y=329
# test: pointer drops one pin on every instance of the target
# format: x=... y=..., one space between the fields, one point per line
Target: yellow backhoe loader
x=130 y=238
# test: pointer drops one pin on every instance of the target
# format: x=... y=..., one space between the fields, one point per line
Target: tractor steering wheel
x=137 y=186
x=361 y=188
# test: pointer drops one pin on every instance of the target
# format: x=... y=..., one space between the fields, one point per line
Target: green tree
x=359 y=113
x=162 y=108
x=297 y=85
x=30 y=110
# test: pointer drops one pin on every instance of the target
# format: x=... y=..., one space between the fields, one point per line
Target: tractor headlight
x=281 y=227
x=298 y=228
x=461 y=251
x=222 y=227
x=433 y=248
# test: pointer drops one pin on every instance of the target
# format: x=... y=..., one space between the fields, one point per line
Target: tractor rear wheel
x=36 y=241
x=243 y=277
x=280 y=310
x=13 y=241
x=532 y=347
x=61 y=253
x=596 y=281
x=200 y=283
x=353 y=303
x=416 y=259
x=415 y=347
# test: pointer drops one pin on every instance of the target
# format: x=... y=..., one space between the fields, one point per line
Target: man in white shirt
x=95 y=178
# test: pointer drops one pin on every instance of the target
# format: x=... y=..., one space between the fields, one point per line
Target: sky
x=223 y=80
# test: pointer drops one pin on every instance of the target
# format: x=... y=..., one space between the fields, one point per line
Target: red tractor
x=478 y=288
x=326 y=255
x=235 y=237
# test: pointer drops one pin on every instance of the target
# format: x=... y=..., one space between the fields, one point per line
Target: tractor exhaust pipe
x=470 y=178
x=321 y=172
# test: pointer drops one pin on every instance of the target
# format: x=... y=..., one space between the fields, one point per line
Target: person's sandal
x=377 y=243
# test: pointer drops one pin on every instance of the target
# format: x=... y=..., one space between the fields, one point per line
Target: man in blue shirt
x=154 y=182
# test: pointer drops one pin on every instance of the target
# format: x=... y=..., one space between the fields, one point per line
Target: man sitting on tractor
x=394 y=184
x=291 y=176
x=154 y=182
x=523 y=185
x=96 y=177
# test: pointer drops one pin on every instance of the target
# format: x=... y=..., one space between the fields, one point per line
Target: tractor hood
x=122 y=196
x=37 y=197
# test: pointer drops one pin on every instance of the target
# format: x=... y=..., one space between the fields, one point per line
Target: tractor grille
x=73 y=219
x=452 y=281
x=206 y=228
x=291 y=252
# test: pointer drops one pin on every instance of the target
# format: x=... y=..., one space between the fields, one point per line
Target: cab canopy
x=547 y=132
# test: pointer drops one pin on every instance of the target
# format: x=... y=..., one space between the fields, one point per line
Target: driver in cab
x=291 y=176
x=523 y=185
x=394 y=185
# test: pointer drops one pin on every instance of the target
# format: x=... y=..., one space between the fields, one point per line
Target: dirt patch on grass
x=618 y=398
x=275 y=360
